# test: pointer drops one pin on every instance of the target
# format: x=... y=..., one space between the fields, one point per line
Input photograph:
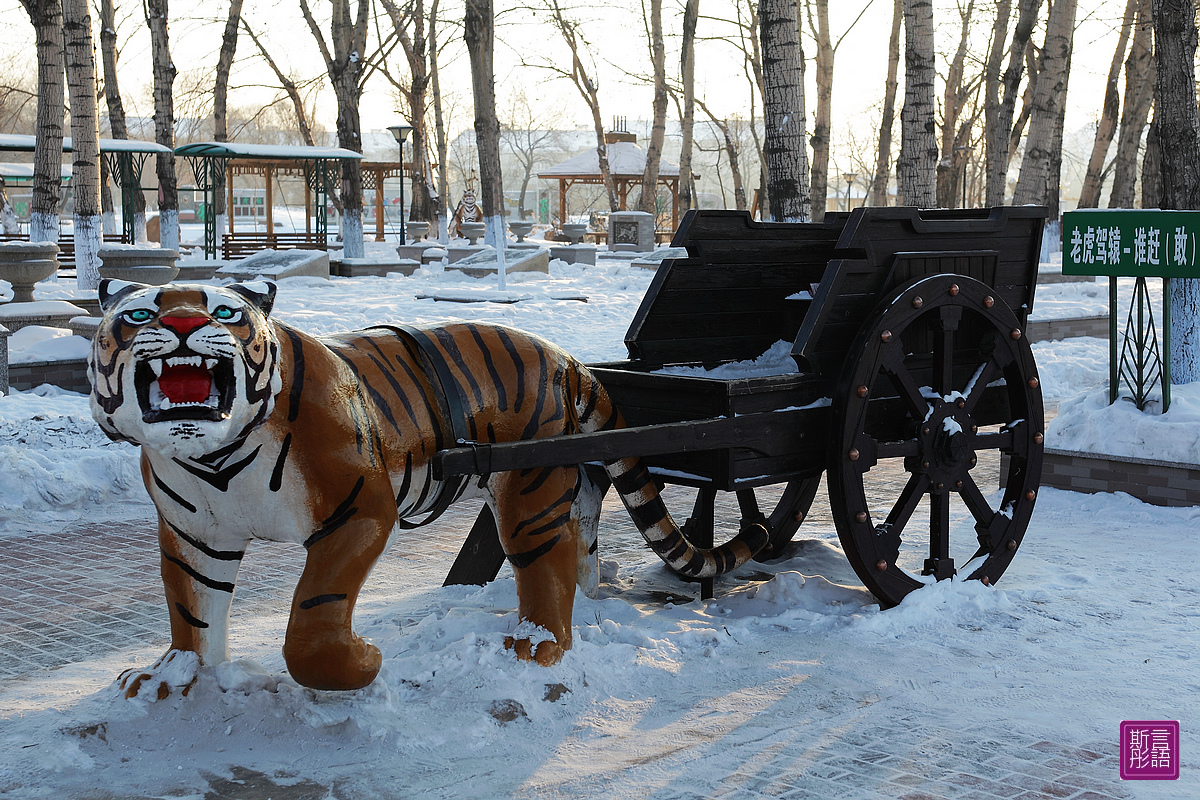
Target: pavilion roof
x=625 y=160
x=264 y=152
x=25 y=143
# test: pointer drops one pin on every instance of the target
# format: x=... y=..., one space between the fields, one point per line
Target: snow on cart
x=914 y=386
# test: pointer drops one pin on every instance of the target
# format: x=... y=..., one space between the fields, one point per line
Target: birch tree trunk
x=1089 y=194
x=1151 y=169
x=952 y=164
x=1038 y=182
x=819 y=185
x=344 y=57
x=220 y=102
x=784 y=151
x=883 y=157
x=648 y=201
x=85 y=141
x=991 y=92
x=1139 y=96
x=416 y=91
x=999 y=145
x=164 y=123
x=691 y=16
x=47 y=19
x=478 y=32
x=116 y=108
x=1175 y=115
x=443 y=145
x=916 y=169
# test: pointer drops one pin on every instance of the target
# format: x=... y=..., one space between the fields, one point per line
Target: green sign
x=1129 y=243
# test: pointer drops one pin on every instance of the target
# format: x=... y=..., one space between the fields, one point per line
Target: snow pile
x=776 y=361
x=40 y=343
x=53 y=457
x=1087 y=423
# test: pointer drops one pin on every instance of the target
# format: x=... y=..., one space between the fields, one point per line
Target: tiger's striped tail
x=642 y=500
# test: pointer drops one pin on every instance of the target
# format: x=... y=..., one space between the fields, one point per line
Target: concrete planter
x=419 y=230
x=520 y=230
x=473 y=231
x=574 y=231
x=25 y=263
x=153 y=266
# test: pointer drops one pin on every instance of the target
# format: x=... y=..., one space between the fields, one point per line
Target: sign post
x=1135 y=244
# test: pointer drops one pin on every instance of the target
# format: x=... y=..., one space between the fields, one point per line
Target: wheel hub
x=946 y=446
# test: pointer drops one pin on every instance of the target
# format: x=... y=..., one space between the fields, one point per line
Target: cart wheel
x=913 y=401
x=786 y=518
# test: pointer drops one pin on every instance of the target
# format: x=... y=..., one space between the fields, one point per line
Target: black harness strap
x=449 y=401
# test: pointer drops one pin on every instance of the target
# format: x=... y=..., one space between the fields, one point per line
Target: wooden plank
x=680 y=437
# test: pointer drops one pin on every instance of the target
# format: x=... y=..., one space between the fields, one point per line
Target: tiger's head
x=184 y=369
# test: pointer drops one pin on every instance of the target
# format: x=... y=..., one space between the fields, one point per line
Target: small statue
x=467 y=211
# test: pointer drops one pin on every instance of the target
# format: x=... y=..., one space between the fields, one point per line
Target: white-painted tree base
x=352 y=234
x=88 y=236
x=43 y=227
x=168 y=228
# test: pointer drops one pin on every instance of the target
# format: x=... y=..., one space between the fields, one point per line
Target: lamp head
x=400 y=132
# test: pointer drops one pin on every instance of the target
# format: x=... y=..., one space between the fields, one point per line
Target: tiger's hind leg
x=321 y=649
x=542 y=541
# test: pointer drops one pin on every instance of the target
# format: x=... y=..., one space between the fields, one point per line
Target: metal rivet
x=798 y=516
x=954 y=290
x=925 y=431
x=860 y=516
x=881 y=565
x=917 y=302
x=1012 y=544
x=985 y=581
x=863 y=391
x=853 y=454
x=886 y=336
x=958 y=484
x=974 y=429
x=961 y=403
x=941 y=486
x=1016 y=334
x=989 y=301
x=1030 y=494
x=1033 y=383
x=974 y=460
x=925 y=464
x=1038 y=438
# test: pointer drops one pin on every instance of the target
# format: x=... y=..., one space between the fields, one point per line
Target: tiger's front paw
x=332 y=664
x=546 y=653
x=176 y=670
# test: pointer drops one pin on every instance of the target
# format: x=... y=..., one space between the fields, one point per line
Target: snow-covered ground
x=1096 y=621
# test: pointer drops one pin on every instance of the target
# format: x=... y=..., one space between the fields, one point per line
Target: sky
x=615 y=31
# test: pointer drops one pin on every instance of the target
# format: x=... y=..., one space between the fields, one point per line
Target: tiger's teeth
x=156 y=364
x=210 y=364
x=184 y=361
x=165 y=404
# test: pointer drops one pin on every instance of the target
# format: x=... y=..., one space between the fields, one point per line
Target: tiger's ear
x=260 y=293
x=112 y=290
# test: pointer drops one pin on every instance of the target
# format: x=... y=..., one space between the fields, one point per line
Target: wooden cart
x=907 y=328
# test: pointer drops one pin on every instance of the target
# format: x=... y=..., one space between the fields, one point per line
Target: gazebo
x=124 y=159
x=212 y=161
x=626 y=164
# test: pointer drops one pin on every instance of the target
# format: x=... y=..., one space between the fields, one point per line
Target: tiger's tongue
x=185 y=384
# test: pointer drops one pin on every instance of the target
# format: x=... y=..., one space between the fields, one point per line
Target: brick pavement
x=92 y=588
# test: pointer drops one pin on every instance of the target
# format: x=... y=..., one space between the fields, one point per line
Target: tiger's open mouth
x=185 y=387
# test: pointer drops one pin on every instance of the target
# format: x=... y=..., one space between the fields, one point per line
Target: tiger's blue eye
x=139 y=315
x=224 y=313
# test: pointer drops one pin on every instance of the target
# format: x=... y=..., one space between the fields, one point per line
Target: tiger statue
x=252 y=429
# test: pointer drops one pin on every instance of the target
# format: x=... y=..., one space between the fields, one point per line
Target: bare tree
x=1151 y=169
x=648 y=200
x=785 y=150
x=116 y=108
x=439 y=123
x=823 y=119
x=1139 y=96
x=85 y=141
x=408 y=24
x=687 y=71
x=731 y=152
x=220 y=101
x=290 y=87
x=1038 y=182
x=348 y=65
x=1089 y=194
x=47 y=19
x=585 y=81
x=1179 y=148
x=529 y=136
x=164 y=122
x=883 y=157
x=917 y=165
x=999 y=141
x=479 y=33
x=956 y=126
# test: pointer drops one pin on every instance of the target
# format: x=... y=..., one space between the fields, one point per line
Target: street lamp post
x=849 y=178
x=401 y=133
